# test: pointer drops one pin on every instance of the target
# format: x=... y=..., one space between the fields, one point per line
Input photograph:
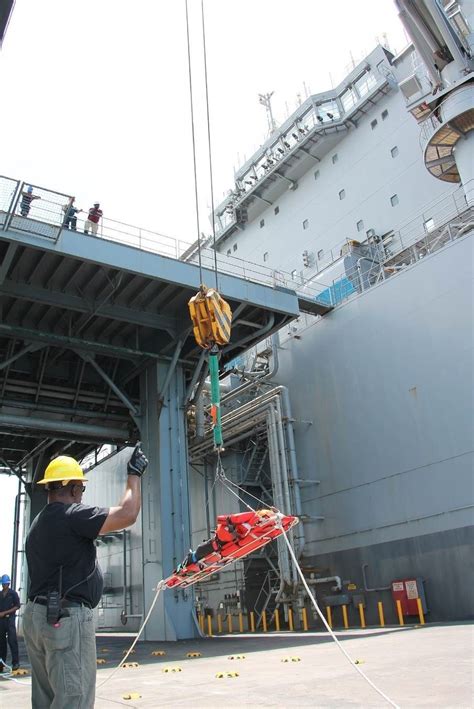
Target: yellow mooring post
x=277 y=619
x=362 y=615
x=264 y=622
x=304 y=616
x=399 y=611
x=201 y=622
x=219 y=623
x=241 y=623
x=252 y=621
x=229 y=622
x=381 y=616
x=344 y=617
x=420 y=611
x=329 y=616
x=209 y=625
x=290 y=619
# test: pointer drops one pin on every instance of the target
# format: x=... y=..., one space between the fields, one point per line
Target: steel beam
x=32 y=347
x=74 y=302
x=58 y=426
x=7 y=261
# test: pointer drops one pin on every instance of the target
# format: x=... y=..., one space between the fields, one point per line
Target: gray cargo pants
x=63 y=659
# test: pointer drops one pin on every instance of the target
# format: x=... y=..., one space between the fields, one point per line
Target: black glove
x=138 y=462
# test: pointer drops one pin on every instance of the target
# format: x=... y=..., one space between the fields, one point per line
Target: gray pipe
x=61 y=426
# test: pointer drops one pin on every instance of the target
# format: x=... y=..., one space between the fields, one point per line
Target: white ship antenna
x=266 y=101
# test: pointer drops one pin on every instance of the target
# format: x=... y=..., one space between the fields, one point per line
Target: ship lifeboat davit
x=236 y=536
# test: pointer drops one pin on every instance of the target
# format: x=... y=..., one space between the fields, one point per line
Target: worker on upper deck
x=9 y=604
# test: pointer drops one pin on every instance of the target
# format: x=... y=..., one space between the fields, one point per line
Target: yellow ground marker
x=130 y=665
x=221 y=675
x=236 y=657
x=171 y=669
x=193 y=654
x=362 y=615
x=420 y=611
x=101 y=661
x=158 y=653
x=277 y=619
x=381 y=615
x=131 y=695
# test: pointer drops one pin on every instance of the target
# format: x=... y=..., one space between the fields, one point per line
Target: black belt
x=42 y=601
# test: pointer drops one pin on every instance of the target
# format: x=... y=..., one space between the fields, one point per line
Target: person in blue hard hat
x=26 y=199
x=9 y=604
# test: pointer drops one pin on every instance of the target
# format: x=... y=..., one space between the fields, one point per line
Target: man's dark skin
x=124 y=515
x=3 y=614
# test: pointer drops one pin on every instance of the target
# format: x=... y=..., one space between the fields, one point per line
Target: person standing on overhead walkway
x=9 y=604
x=70 y=215
x=26 y=199
x=93 y=218
x=66 y=582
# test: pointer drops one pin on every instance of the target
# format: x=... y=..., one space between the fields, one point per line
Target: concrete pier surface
x=416 y=666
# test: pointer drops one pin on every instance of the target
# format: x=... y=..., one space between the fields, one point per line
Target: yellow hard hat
x=62 y=469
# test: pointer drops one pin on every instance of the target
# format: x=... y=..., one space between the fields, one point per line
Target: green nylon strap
x=215 y=397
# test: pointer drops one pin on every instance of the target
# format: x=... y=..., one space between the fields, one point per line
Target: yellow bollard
x=420 y=611
x=290 y=619
x=219 y=623
x=362 y=615
x=381 y=616
x=305 y=619
x=209 y=625
x=344 y=617
x=201 y=622
x=252 y=621
x=264 y=622
x=329 y=616
x=241 y=623
x=399 y=611
x=229 y=622
x=277 y=619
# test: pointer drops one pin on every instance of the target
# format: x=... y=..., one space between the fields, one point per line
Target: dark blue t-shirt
x=60 y=550
x=9 y=600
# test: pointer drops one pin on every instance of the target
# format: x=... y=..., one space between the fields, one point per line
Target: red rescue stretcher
x=236 y=536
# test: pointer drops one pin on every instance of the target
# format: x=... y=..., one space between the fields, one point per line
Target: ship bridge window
x=234 y=248
x=348 y=99
x=342 y=194
x=394 y=151
x=229 y=251
x=360 y=225
x=429 y=225
x=384 y=115
x=373 y=124
x=394 y=200
x=365 y=83
x=329 y=111
x=277 y=210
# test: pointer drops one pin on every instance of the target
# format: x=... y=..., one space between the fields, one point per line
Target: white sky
x=95 y=100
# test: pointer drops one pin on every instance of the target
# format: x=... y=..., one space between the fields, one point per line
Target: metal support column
x=165 y=511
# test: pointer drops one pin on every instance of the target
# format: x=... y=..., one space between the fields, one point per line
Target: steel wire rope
x=196 y=200
x=211 y=181
x=327 y=626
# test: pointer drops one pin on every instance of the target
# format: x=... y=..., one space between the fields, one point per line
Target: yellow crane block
x=211 y=316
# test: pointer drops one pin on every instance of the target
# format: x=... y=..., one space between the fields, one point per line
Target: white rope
x=159 y=588
x=9 y=673
x=328 y=628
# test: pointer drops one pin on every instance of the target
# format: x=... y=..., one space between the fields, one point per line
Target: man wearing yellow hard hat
x=66 y=582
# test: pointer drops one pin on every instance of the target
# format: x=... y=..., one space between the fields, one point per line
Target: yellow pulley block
x=211 y=316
